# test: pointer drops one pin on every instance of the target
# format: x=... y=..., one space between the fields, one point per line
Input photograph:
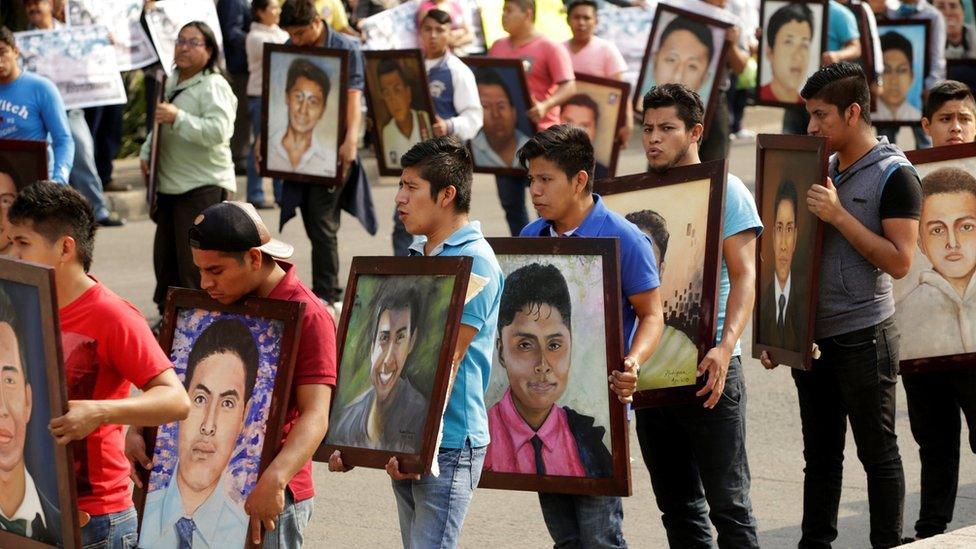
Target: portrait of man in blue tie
x=780 y=304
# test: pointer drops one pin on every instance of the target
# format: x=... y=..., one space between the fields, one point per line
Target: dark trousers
x=934 y=402
x=321 y=209
x=737 y=100
x=854 y=379
x=106 y=128
x=511 y=193
x=715 y=143
x=240 y=142
x=795 y=120
x=172 y=259
x=401 y=238
x=698 y=456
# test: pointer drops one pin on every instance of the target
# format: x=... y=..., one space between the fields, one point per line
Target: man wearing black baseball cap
x=238 y=258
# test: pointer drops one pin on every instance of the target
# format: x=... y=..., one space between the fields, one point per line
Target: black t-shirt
x=902 y=195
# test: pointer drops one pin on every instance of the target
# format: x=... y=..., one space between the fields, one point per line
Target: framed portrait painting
x=940 y=289
x=788 y=263
x=681 y=212
x=559 y=337
x=793 y=40
x=600 y=108
x=303 y=120
x=400 y=104
x=236 y=363
x=904 y=54
x=22 y=162
x=504 y=94
x=396 y=338
x=34 y=393
x=685 y=48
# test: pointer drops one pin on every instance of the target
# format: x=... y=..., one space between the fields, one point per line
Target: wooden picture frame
x=25 y=161
x=818 y=26
x=716 y=65
x=916 y=359
x=511 y=74
x=452 y=273
x=918 y=79
x=152 y=176
x=59 y=461
x=690 y=313
x=422 y=105
x=616 y=481
x=334 y=65
x=611 y=98
x=289 y=315
x=767 y=199
x=867 y=60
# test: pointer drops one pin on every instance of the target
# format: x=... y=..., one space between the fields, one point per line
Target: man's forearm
x=354 y=116
x=155 y=406
x=303 y=439
x=647 y=336
x=562 y=93
x=738 y=309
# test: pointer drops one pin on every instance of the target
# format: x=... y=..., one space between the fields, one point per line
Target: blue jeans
x=290 y=526
x=111 y=531
x=255 y=188
x=583 y=522
x=84 y=174
x=511 y=193
x=922 y=141
x=432 y=509
x=696 y=455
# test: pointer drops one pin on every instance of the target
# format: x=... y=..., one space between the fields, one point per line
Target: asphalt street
x=357 y=509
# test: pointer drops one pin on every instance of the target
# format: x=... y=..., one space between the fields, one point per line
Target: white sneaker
x=745 y=135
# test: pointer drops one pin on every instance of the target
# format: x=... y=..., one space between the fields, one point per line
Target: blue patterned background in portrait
x=246 y=459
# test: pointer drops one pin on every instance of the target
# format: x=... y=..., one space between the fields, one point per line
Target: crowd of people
x=208 y=124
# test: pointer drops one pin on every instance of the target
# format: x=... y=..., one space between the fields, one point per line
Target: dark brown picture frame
x=715 y=171
x=619 y=483
x=338 y=92
x=814 y=56
x=152 y=176
x=458 y=267
x=623 y=88
x=720 y=71
x=35 y=169
x=476 y=63
x=290 y=313
x=372 y=96
x=926 y=66
x=946 y=363
x=42 y=278
x=806 y=143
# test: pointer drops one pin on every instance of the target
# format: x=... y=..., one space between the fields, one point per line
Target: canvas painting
x=793 y=40
x=21 y=163
x=904 y=53
x=600 y=108
x=504 y=95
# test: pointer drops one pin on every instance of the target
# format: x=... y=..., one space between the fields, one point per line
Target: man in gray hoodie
x=870 y=206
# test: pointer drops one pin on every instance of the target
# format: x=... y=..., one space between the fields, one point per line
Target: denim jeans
x=255 y=185
x=432 y=509
x=922 y=141
x=84 y=174
x=511 y=194
x=583 y=522
x=105 y=124
x=290 y=526
x=698 y=456
x=111 y=531
x=934 y=402
x=854 y=379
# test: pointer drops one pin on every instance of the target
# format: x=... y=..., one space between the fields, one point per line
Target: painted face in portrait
x=581 y=116
x=897 y=77
x=396 y=95
x=535 y=352
x=15 y=401
x=499 y=124
x=306 y=105
x=784 y=239
x=8 y=192
x=953 y=123
x=391 y=347
x=217 y=406
x=681 y=58
x=789 y=58
x=948 y=234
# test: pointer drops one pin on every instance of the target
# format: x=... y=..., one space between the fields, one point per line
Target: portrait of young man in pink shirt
x=530 y=433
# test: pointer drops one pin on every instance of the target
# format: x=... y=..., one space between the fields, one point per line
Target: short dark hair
x=297 y=13
x=209 y=41
x=443 y=161
x=534 y=285
x=256 y=6
x=490 y=77
x=688 y=103
x=583 y=100
x=395 y=295
x=841 y=85
x=943 y=92
x=791 y=12
x=566 y=145
x=225 y=336
x=577 y=3
x=786 y=191
x=893 y=40
x=7 y=37
x=55 y=210
x=524 y=5
x=698 y=30
x=303 y=68
x=948 y=180
x=654 y=224
x=440 y=17
x=386 y=66
x=8 y=315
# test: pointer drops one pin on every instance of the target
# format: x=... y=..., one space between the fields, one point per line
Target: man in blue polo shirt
x=560 y=162
x=433 y=202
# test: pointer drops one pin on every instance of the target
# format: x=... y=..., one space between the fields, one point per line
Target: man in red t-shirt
x=108 y=347
x=549 y=73
x=238 y=258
